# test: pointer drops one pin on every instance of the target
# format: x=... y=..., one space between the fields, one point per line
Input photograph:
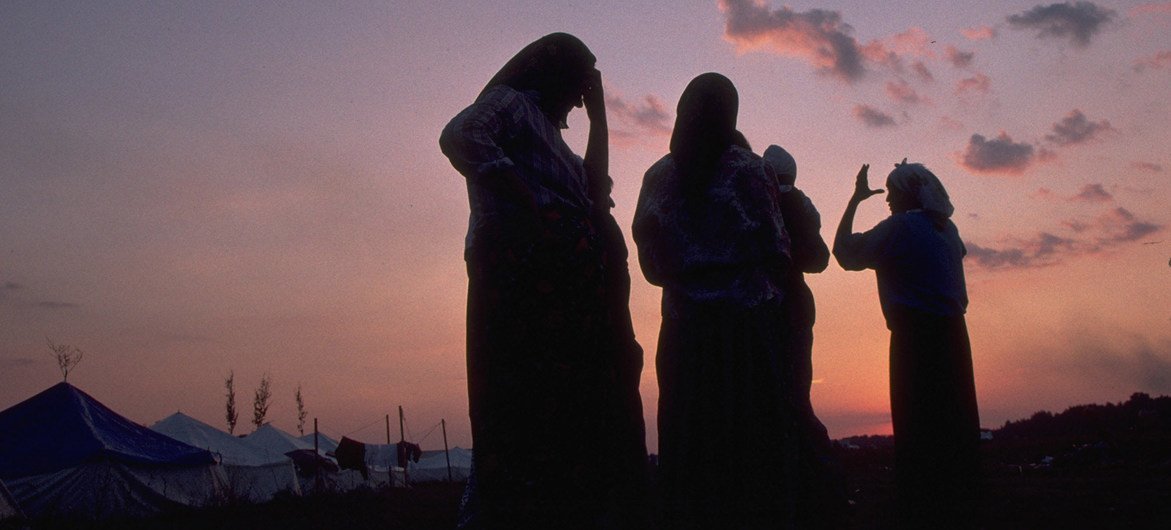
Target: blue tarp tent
x=62 y=453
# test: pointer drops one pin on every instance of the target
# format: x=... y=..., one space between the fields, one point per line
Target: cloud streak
x=643 y=117
x=1150 y=9
x=873 y=117
x=1092 y=193
x=1157 y=61
x=1149 y=167
x=1114 y=227
x=959 y=59
x=1077 y=21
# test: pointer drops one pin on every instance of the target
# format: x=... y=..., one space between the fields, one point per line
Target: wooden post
x=316 y=464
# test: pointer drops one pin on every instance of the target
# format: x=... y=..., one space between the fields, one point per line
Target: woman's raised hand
x=862 y=189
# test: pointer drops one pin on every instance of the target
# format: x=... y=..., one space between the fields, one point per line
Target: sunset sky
x=193 y=188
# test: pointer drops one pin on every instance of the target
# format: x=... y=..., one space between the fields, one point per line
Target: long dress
x=553 y=367
x=727 y=449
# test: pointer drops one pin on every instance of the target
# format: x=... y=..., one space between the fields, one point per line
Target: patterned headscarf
x=553 y=64
x=917 y=181
x=705 y=125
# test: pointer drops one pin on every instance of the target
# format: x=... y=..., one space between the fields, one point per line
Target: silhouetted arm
x=862 y=192
x=473 y=143
x=810 y=253
x=597 y=155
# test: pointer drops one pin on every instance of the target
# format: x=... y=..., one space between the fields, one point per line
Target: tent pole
x=446 y=453
x=402 y=433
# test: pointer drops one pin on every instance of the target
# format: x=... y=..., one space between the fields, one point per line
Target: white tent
x=276 y=441
x=432 y=467
x=251 y=473
x=324 y=443
x=273 y=439
x=64 y=454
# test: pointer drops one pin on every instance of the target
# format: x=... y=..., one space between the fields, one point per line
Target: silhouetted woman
x=553 y=367
x=709 y=231
x=917 y=255
x=821 y=490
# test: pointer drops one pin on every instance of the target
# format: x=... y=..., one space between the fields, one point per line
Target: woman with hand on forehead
x=917 y=256
x=553 y=367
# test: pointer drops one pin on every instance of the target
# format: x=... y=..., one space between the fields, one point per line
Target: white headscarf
x=782 y=162
x=917 y=181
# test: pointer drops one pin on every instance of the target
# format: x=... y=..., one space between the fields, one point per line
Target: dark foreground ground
x=1096 y=497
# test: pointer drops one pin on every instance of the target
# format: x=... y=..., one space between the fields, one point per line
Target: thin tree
x=230 y=412
x=301 y=414
x=260 y=402
x=68 y=357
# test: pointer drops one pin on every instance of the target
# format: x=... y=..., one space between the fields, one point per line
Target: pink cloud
x=979 y=33
x=822 y=39
x=1157 y=61
x=902 y=92
x=977 y=83
x=914 y=42
x=951 y=124
x=817 y=36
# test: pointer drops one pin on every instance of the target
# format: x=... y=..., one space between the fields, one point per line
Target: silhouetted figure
x=709 y=231
x=821 y=491
x=917 y=255
x=553 y=367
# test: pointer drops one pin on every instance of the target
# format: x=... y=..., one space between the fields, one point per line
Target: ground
x=1110 y=496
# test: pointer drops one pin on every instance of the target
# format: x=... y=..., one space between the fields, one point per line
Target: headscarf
x=783 y=164
x=917 y=181
x=705 y=126
x=551 y=65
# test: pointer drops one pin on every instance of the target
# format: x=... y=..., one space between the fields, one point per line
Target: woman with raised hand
x=917 y=256
x=709 y=232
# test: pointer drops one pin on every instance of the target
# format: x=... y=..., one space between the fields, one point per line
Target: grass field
x=1095 y=497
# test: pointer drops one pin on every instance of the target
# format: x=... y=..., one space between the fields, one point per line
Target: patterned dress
x=727 y=449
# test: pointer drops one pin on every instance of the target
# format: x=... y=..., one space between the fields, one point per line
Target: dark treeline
x=1134 y=433
x=1141 y=414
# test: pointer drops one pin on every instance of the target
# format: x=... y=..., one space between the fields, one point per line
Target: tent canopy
x=64 y=427
x=232 y=450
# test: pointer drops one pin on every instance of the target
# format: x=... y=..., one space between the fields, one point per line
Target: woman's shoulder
x=656 y=183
